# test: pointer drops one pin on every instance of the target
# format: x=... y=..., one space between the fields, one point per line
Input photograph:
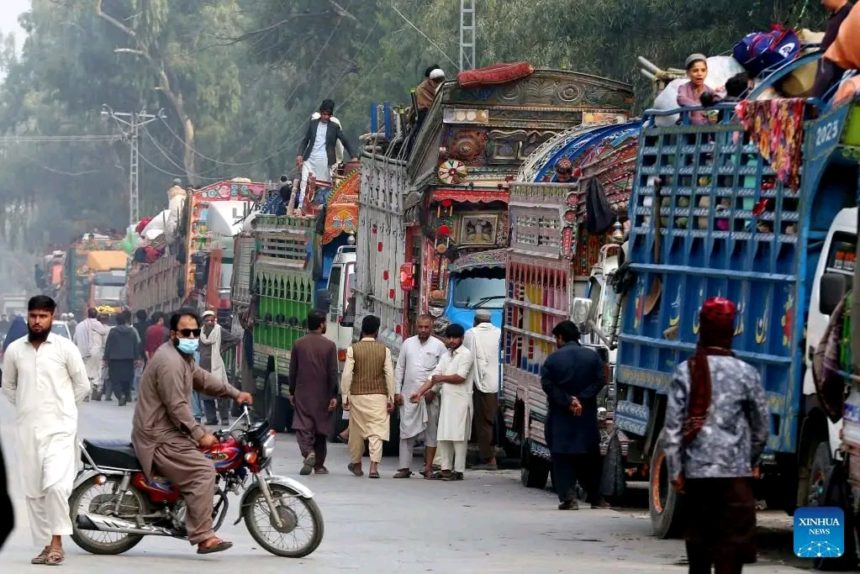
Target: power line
x=425 y=36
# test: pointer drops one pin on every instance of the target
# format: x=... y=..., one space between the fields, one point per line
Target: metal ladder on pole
x=467 y=34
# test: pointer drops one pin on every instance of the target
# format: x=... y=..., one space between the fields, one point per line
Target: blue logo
x=819 y=532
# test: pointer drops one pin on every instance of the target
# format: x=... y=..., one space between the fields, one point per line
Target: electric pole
x=130 y=124
x=467 y=35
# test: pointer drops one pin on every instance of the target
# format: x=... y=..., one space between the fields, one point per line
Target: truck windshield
x=610 y=309
x=481 y=292
x=334 y=284
x=108 y=293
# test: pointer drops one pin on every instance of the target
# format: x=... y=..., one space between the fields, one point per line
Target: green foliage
x=247 y=74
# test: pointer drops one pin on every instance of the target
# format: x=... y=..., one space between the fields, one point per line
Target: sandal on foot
x=441 y=475
x=355 y=469
x=55 y=557
x=42 y=558
x=374 y=474
x=403 y=473
x=219 y=546
x=453 y=476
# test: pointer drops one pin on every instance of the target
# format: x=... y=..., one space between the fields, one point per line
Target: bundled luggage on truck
x=82 y=276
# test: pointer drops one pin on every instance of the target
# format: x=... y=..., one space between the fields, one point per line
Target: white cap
x=209 y=313
x=437 y=74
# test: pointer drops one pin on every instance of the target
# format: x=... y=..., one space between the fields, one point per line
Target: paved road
x=487 y=523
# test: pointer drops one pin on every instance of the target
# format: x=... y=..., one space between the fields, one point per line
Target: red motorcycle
x=114 y=506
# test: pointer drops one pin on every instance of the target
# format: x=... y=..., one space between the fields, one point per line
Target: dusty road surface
x=487 y=523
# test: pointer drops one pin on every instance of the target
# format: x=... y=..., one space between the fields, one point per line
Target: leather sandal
x=55 y=557
x=355 y=469
x=403 y=473
x=42 y=558
x=219 y=546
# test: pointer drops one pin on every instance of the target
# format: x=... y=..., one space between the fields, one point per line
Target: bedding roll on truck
x=710 y=216
x=285 y=266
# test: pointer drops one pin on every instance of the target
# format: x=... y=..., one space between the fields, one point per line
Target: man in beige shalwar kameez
x=367 y=386
x=165 y=435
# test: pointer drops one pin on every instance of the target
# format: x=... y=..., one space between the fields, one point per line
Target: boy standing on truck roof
x=715 y=431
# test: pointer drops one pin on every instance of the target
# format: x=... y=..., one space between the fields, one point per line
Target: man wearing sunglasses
x=166 y=437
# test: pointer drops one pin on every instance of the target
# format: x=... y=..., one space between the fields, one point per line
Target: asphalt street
x=486 y=523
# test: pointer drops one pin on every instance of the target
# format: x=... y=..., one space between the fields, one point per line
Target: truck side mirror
x=581 y=313
x=323 y=300
x=831 y=292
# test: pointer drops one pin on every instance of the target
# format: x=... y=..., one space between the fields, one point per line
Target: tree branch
x=116 y=23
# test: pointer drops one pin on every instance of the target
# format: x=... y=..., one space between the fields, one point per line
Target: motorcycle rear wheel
x=302 y=523
x=96 y=541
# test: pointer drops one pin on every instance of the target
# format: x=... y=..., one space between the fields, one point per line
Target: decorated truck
x=551 y=266
x=284 y=267
x=93 y=253
x=710 y=215
x=192 y=265
x=433 y=195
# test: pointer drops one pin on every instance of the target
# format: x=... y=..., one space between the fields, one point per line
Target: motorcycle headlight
x=269 y=445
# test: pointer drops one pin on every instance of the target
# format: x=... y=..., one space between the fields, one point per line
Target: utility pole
x=467 y=35
x=130 y=124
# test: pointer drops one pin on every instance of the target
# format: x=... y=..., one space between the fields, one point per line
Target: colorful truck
x=195 y=267
x=284 y=267
x=433 y=196
x=107 y=280
x=551 y=265
x=82 y=260
x=711 y=216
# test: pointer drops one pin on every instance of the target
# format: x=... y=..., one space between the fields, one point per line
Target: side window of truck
x=334 y=286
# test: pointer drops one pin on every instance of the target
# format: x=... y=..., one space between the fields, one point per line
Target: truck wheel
x=829 y=482
x=664 y=503
x=613 y=484
x=534 y=472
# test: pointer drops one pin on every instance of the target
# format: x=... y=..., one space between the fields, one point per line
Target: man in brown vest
x=367 y=387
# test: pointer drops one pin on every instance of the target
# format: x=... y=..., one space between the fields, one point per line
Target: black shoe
x=568 y=505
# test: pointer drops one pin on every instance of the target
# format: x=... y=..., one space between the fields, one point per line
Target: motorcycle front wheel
x=301 y=529
x=93 y=498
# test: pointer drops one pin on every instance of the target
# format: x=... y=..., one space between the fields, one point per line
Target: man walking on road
x=45 y=378
x=715 y=432
x=213 y=342
x=483 y=342
x=165 y=435
x=122 y=350
x=454 y=375
x=571 y=378
x=90 y=337
x=367 y=387
x=313 y=392
x=156 y=335
x=418 y=357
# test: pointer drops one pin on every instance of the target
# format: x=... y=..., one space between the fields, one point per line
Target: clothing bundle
x=776 y=127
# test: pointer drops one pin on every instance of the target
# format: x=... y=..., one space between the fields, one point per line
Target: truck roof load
x=106 y=260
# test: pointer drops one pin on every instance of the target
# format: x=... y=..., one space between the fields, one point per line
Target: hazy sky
x=9 y=11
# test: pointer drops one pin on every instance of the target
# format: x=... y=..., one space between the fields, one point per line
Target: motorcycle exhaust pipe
x=112 y=524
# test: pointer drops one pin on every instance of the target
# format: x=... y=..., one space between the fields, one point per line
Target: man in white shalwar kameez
x=418 y=357
x=453 y=375
x=90 y=337
x=45 y=378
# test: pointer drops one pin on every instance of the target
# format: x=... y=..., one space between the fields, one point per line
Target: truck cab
x=107 y=291
x=337 y=300
x=475 y=282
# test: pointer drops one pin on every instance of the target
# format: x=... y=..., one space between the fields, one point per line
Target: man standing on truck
x=572 y=377
x=313 y=392
x=317 y=153
x=483 y=341
x=89 y=338
x=367 y=387
x=418 y=357
x=715 y=431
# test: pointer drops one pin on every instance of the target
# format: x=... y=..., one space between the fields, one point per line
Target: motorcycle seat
x=112 y=453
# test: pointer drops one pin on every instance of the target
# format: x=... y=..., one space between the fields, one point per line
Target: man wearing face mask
x=166 y=437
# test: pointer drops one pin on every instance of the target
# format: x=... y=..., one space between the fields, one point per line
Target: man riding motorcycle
x=165 y=435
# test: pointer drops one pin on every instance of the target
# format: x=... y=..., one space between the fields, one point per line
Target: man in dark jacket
x=317 y=151
x=121 y=351
x=571 y=378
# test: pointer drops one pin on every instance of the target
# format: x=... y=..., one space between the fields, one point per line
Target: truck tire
x=534 y=472
x=664 y=502
x=613 y=484
x=830 y=482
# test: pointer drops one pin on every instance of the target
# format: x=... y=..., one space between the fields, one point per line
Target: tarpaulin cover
x=106 y=260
